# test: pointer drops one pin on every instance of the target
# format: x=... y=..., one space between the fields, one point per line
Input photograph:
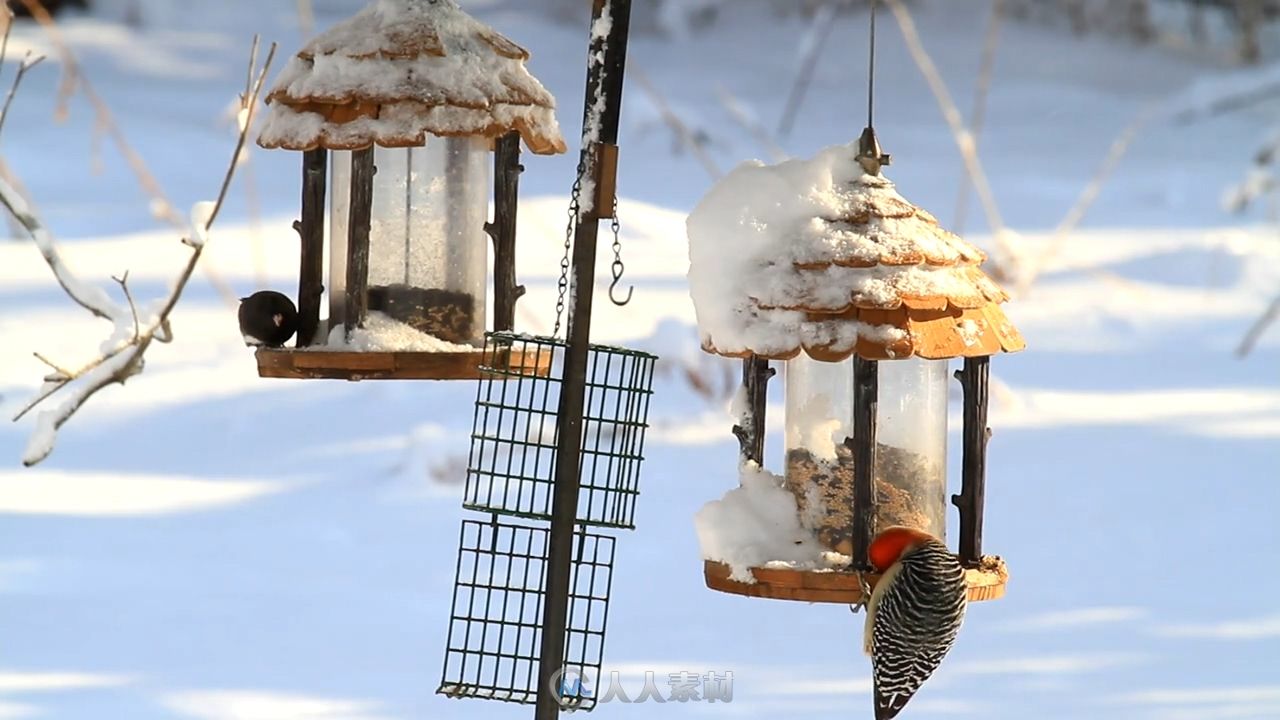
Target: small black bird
x=267 y=318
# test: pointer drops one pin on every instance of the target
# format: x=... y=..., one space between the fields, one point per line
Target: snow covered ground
x=207 y=544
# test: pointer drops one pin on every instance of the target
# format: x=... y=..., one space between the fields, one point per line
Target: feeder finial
x=869 y=155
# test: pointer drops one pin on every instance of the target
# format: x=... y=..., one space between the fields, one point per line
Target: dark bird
x=267 y=318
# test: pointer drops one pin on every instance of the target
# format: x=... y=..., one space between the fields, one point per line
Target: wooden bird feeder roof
x=877 y=277
x=400 y=70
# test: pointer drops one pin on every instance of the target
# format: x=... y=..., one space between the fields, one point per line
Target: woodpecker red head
x=888 y=545
x=267 y=318
x=914 y=613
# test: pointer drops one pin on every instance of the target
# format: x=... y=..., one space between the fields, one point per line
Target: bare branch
x=1088 y=195
x=750 y=123
x=815 y=40
x=52 y=386
x=114 y=369
x=1260 y=326
x=677 y=125
x=963 y=138
x=127 y=358
x=89 y=297
x=133 y=307
x=986 y=70
x=251 y=106
x=27 y=63
x=248 y=78
x=59 y=373
x=73 y=79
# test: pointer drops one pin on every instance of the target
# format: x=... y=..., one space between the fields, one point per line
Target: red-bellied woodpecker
x=914 y=613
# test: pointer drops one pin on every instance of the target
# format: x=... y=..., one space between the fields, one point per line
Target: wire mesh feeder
x=511 y=470
x=495 y=628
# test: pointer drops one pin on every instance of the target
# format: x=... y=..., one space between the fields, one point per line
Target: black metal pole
x=973 y=379
x=604 y=81
x=310 y=227
x=506 y=192
x=755 y=382
x=866 y=391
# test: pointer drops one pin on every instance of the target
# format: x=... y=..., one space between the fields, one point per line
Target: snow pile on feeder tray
x=381 y=333
x=811 y=253
x=756 y=526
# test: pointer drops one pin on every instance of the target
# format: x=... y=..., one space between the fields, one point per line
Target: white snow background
x=207 y=544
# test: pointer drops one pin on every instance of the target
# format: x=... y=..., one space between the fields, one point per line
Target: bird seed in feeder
x=445 y=314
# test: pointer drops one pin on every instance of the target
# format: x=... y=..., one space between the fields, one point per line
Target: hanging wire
x=869 y=154
x=871 y=69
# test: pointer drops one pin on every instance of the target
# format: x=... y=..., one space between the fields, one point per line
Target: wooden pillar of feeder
x=315 y=165
x=866 y=391
x=751 y=433
x=358 y=220
x=604 y=78
x=506 y=192
x=973 y=379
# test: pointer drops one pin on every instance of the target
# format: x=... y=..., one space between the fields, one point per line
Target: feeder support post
x=973 y=377
x=866 y=394
x=310 y=227
x=751 y=432
x=506 y=192
x=358 y=223
x=606 y=64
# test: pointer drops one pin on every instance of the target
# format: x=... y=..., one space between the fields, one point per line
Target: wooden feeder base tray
x=345 y=365
x=986 y=582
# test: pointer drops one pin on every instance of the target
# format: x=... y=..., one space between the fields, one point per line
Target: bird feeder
x=400 y=107
x=864 y=299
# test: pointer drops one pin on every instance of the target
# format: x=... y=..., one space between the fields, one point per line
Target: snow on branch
x=123 y=353
x=89 y=297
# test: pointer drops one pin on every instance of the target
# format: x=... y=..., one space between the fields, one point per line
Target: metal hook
x=617 y=278
x=613 y=285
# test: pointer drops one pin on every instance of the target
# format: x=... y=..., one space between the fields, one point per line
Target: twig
x=673 y=121
x=986 y=70
x=53 y=386
x=750 y=123
x=1088 y=195
x=253 y=63
x=133 y=308
x=963 y=138
x=820 y=28
x=73 y=78
x=126 y=359
x=60 y=372
x=1259 y=326
x=27 y=63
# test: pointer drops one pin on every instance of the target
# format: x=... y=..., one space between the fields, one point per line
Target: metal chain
x=574 y=211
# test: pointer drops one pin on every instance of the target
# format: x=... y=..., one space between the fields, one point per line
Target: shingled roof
x=868 y=274
x=400 y=70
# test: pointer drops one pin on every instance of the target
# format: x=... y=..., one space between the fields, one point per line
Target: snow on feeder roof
x=816 y=255
x=400 y=70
